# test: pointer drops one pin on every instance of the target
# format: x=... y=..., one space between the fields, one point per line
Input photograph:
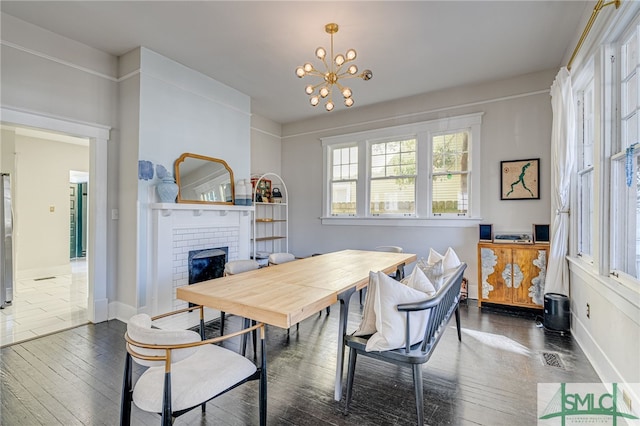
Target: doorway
x=98 y=136
x=47 y=283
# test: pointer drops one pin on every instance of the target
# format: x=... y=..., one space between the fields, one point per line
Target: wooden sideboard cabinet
x=512 y=274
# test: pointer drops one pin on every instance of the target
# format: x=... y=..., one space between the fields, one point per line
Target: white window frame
x=585 y=129
x=422 y=132
x=619 y=197
x=370 y=178
x=330 y=176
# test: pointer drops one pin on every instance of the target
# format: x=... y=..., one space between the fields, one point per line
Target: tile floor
x=46 y=306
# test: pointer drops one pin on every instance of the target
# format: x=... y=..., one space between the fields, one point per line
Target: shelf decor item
x=276 y=195
x=263 y=189
x=520 y=179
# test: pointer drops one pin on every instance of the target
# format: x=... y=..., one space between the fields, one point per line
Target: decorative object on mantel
x=243 y=192
x=333 y=72
x=167 y=189
x=145 y=170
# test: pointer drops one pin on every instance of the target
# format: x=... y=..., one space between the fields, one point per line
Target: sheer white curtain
x=562 y=161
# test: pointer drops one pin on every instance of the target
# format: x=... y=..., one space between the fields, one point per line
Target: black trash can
x=556 y=312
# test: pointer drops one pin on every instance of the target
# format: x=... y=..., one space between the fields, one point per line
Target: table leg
x=343 y=298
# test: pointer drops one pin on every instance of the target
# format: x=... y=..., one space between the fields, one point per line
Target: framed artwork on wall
x=520 y=179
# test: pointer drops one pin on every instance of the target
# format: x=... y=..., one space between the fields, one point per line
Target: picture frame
x=520 y=179
x=263 y=192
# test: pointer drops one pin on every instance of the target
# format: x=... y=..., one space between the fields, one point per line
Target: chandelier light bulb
x=330 y=72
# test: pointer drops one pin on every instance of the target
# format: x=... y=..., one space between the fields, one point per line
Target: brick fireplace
x=182 y=228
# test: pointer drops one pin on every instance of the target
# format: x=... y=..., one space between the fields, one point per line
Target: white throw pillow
x=450 y=259
x=433 y=272
x=390 y=323
x=419 y=281
x=434 y=256
x=368 y=322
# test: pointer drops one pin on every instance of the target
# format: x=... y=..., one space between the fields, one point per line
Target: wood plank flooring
x=74 y=377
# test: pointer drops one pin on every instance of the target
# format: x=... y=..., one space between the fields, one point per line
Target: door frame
x=98 y=135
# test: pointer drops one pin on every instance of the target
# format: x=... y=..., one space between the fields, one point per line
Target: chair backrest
x=278 y=258
x=139 y=329
x=444 y=303
x=391 y=249
x=239 y=266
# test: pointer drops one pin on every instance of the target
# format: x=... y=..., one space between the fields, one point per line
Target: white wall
x=167 y=109
x=516 y=125
x=266 y=146
x=41 y=182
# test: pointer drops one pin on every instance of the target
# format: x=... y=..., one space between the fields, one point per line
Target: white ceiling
x=254 y=47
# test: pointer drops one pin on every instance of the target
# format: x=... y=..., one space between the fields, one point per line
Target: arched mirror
x=203 y=180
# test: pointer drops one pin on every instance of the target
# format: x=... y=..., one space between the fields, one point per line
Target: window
x=625 y=171
x=393 y=178
x=416 y=172
x=450 y=173
x=344 y=176
x=585 y=183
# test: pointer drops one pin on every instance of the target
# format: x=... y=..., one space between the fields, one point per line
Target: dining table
x=285 y=294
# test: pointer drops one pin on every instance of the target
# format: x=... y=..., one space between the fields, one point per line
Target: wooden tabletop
x=283 y=295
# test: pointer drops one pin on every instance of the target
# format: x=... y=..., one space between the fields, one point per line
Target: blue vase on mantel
x=167 y=190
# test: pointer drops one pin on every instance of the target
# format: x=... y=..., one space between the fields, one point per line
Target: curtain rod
x=598 y=7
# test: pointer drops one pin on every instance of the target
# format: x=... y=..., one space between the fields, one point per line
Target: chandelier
x=336 y=70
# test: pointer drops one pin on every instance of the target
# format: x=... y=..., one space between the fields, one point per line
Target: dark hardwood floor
x=74 y=377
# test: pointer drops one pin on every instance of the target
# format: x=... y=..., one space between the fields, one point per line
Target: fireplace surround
x=181 y=228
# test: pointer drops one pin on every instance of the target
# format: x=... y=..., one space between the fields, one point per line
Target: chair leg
x=243 y=339
x=417 y=384
x=254 y=337
x=263 y=384
x=166 y=401
x=222 y=323
x=353 y=354
x=363 y=295
x=458 y=322
x=125 y=401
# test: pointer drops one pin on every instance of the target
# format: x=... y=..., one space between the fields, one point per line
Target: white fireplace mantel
x=197 y=209
x=180 y=227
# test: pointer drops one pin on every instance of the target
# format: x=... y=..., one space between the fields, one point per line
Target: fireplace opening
x=206 y=264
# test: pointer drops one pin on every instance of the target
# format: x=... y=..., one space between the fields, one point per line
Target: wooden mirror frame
x=180 y=161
